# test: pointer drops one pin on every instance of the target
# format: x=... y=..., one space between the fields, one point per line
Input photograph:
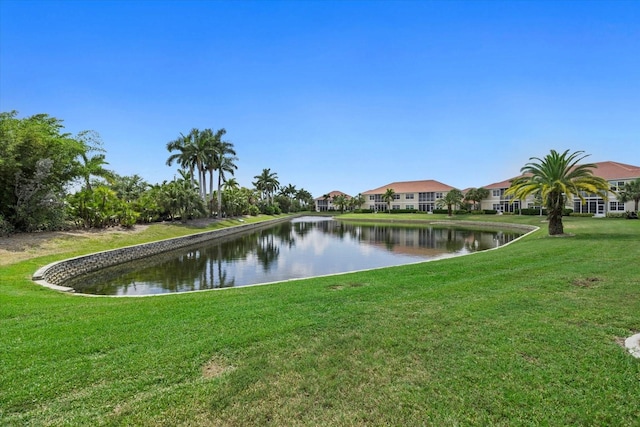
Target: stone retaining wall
x=54 y=275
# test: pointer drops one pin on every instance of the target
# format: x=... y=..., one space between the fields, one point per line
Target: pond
x=304 y=247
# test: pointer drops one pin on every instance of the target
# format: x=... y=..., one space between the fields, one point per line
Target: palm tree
x=231 y=184
x=185 y=156
x=267 y=183
x=340 y=200
x=357 y=201
x=557 y=177
x=388 y=197
x=630 y=191
x=476 y=196
x=452 y=198
x=94 y=166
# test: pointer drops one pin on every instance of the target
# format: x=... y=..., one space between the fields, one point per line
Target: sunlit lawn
x=525 y=335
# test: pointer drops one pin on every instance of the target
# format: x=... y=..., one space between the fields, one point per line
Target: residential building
x=325 y=202
x=419 y=195
x=617 y=174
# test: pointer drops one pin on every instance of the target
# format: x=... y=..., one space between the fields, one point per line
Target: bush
x=490 y=211
x=5 y=227
x=533 y=211
x=399 y=211
x=254 y=210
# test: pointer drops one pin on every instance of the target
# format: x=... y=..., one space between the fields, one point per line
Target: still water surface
x=304 y=247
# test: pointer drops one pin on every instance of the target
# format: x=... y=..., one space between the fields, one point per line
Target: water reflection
x=304 y=247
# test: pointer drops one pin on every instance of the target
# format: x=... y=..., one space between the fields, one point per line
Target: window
x=396 y=197
x=372 y=197
x=395 y=207
x=616 y=206
x=617 y=185
x=438 y=195
x=408 y=196
x=495 y=193
x=410 y=207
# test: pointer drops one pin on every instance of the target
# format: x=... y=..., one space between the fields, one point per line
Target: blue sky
x=334 y=95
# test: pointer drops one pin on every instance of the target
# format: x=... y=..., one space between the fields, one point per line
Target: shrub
x=5 y=227
x=399 y=211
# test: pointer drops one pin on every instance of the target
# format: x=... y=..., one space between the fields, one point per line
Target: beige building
x=616 y=173
x=325 y=202
x=419 y=195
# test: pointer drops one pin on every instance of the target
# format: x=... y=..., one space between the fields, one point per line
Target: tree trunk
x=555 y=224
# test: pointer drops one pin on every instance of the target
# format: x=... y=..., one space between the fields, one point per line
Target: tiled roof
x=333 y=194
x=615 y=170
x=423 y=186
x=502 y=184
x=607 y=170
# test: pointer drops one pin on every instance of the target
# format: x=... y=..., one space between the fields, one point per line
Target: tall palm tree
x=221 y=157
x=388 y=197
x=630 y=191
x=267 y=183
x=185 y=156
x=558 y=177
x=453 y=198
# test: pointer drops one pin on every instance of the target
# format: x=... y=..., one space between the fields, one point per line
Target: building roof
x=423 y=186
x=615 y=170
x=607 y=170
x=333 y=194
x=502 y=184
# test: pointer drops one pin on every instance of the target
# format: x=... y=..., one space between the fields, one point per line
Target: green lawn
x=525 y=335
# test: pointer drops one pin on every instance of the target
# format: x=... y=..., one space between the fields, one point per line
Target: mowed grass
x=525 y=335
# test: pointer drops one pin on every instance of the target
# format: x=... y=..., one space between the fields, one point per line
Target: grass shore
x=528 y=334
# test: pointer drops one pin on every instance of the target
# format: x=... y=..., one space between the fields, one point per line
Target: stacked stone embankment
x=56 y=274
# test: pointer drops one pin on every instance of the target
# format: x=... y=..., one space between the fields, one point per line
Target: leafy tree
x=23 y=144
x=129 y=188
x=304 y=198
x=388 y=197
x=39 y=206
x=630 y=191
x=476 y=196
x=557 y=177
x=453 y=198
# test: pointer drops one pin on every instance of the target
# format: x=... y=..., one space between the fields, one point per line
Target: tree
x=476 y=196
x=184 y=156
x=388 y=197
x=225 y=163
x=304 y=198
x=24 y=143
x=357 y=201
x=453 y=198
x=557 y=177
x=267 y=183
x=92 y=165
x=340 y=200
x=630 y=191
x=192 y=152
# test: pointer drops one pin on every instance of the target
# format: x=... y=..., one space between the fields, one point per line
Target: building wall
x=592 y=204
